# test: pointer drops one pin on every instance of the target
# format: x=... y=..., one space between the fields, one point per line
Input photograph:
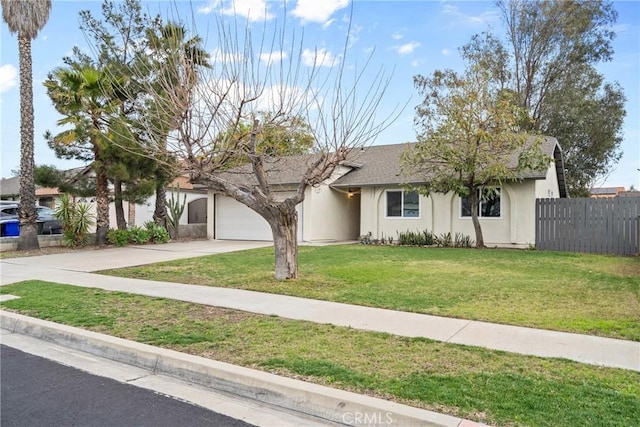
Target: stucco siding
x=373 y=217
x=440 y=213
x=548 y=188
x=329 y=214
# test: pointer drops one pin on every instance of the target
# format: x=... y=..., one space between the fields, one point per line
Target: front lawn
x=494 y=387
x=583 y=293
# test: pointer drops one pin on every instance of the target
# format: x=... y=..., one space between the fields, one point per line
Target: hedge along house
x=365 y=195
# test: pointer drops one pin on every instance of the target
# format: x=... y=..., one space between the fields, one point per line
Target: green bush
x=417 y=238
x=76 y=220
x=118 y=237
x=445 y=240
x=462 y=241
x=139 y=235
x=427 y=238
x=158 y=233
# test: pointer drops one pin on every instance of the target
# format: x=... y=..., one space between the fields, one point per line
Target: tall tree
x=26 y=19
x=469 y=138
x=120 y=42
x=174 y=59
x=204 y=104
x=84 y=96
x=547 y=58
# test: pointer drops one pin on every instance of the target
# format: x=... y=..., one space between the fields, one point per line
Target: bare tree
x=256 y=77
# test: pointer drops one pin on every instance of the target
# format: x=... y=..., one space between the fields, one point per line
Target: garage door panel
x=235 y=221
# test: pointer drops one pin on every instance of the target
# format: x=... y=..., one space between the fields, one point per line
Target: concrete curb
x=334 y=405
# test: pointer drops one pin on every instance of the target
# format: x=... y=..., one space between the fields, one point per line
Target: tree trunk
x=284 y=225
x=117 y=196
x=474 y=218
x=28 y=239
x=160 y=213
x=102 y=207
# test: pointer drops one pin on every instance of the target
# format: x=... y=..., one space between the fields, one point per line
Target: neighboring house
x=136 y=214
x=10 y=190
x=365 y=195
x=605 y=192
x=630 y=193
x=195 y=211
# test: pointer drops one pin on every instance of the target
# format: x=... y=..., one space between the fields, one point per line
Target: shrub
x=410 y=238
x=157 y=233
x=462 y=241
x=76 y=220
x=444 y=240
x=139 y=235
x=118 y=237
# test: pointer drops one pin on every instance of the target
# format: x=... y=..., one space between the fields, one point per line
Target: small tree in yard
x=226 y=115
x=469 y=137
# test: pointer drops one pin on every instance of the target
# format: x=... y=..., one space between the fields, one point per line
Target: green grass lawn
x=583 y=293
x=484 y=385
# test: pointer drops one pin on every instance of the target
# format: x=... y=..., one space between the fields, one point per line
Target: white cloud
x=407 y=48
x=397 y=36
x=271 y=57
x=353 y=34
x=8 y=77
x=209 y=7
x=225 y=57
x=485 y=18
x=328 y=23
x=621 y=29
x=445 y=52
x=319 y=58
x=253 y=10
x=317 y=10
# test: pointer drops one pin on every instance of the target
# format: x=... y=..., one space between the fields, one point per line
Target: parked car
x=46 y=217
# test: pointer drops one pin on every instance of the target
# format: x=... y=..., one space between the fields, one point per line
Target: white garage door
x=235 y=221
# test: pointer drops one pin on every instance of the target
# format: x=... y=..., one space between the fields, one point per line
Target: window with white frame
x=403 y=204
x=488 y=203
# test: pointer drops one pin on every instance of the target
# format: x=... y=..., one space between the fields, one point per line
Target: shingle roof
x=281 y=171
x=10 y=186
x=373 y=165
x=606 y=190
x=381 y=165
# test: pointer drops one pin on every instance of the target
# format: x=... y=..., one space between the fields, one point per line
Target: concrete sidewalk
x=75 y=270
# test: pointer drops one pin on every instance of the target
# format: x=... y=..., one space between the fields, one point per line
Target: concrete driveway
x=94 y=259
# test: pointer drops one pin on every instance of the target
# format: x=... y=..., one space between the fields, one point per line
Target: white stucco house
x=365 y=195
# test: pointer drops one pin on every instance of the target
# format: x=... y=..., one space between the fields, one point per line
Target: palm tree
x=26 y=18
x=83 y=94
x=176 y=61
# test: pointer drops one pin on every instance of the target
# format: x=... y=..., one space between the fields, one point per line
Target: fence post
x=638 y=235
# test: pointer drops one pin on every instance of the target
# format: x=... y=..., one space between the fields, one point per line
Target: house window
x=403 y=204
x=488 y=203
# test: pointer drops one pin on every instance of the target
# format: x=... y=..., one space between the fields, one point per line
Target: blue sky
x=409 y=38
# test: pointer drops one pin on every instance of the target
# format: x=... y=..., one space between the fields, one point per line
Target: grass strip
x=484 y=385
x=571 y=292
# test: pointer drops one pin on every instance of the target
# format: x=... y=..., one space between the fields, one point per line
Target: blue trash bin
x=11 y=228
